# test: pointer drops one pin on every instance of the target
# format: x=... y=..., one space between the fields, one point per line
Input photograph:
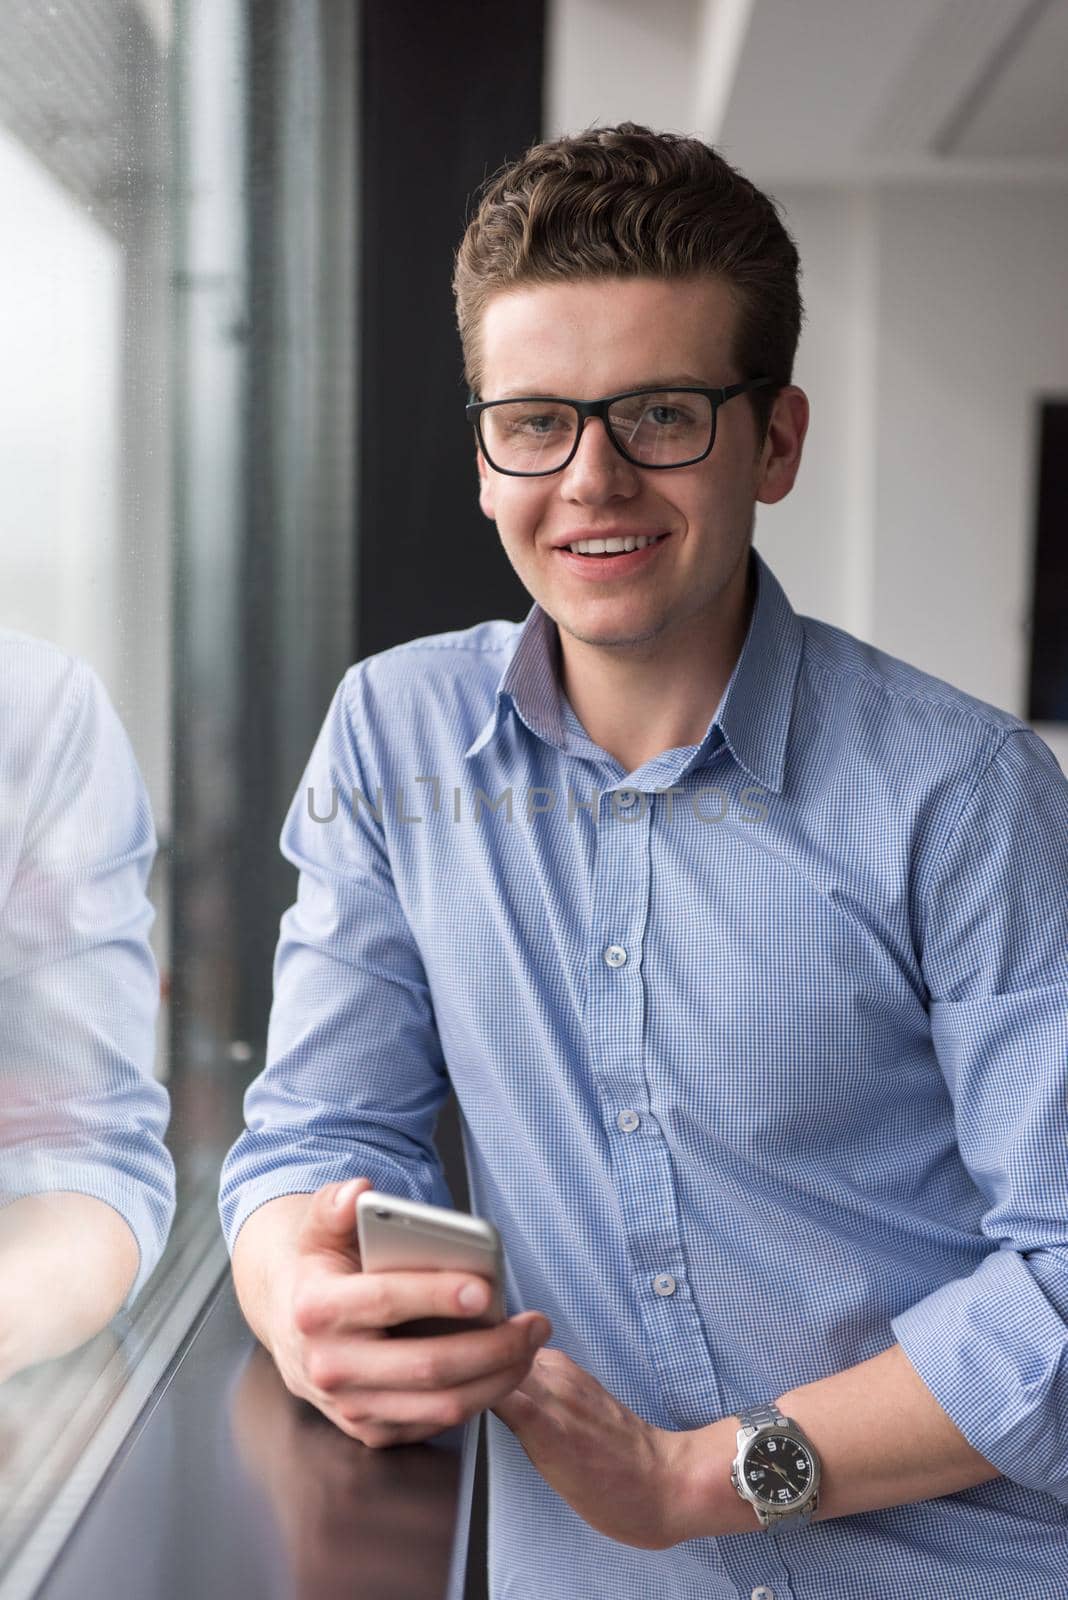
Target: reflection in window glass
x=177 y=305
x=59 y=416
x=87 y=1186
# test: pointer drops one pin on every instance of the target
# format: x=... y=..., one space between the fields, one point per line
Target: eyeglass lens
x=657 y=429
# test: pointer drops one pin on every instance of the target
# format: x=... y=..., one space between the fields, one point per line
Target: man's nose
x=597 y=470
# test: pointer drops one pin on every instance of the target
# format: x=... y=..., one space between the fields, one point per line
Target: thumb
x=330 y=1221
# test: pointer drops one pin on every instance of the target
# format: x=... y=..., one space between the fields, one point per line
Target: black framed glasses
x=657 y=428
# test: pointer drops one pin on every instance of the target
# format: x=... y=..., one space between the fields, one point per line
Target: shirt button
x=625 y=797
x=763 y=1593
x=627 y=1121
x=664 y=1283
x=615 y=955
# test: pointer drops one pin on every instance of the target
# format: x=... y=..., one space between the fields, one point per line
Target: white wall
x=620 y=60
x=818 y=540
x=935 y=324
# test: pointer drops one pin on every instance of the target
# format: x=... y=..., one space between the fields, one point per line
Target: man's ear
x=487 y=484
x=780 y=457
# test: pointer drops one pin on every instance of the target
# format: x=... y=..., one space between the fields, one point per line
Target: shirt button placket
x=619 y=995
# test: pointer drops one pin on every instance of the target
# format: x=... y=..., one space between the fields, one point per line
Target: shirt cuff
x=424 y=1183
x=991 y=1348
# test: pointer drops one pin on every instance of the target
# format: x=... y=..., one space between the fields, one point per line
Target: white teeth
x=610 y=547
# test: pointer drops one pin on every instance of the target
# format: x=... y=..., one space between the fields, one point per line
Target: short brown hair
x=628 y=202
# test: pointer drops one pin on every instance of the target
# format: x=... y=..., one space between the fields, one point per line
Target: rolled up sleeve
x=354 y=1073
x=993 y=1346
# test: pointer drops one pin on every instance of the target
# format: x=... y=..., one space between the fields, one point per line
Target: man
x=86 y=1183
x=743 y=946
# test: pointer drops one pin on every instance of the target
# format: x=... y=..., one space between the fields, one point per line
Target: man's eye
x=664 y=416
x=538 y=422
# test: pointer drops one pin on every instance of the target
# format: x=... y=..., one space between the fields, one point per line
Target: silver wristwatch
x=776 y=1469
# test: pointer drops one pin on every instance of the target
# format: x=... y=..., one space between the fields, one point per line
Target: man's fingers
x=384 y=1435
x=364 y=1301
x=340 y=1365
x=329 y=1224
x=342 y=1315
x=438 y=1408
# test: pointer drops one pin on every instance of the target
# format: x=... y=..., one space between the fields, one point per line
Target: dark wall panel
x=1048 y=687
x=450 y=92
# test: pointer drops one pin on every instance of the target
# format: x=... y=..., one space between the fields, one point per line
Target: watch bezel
x=776 y=1514
x=778 y=1508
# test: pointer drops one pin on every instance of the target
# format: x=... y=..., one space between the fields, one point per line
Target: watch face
x=778 y=1470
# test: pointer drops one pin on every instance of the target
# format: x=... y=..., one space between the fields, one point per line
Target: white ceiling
x=826 y=91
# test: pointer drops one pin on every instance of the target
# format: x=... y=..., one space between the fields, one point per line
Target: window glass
x=175 y=424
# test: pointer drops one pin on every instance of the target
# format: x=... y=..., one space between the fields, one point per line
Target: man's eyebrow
x=676 y=380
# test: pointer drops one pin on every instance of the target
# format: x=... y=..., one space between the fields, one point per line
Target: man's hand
x=332 y=1345
x=615 y=1470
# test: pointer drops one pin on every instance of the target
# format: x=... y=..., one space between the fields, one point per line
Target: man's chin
x=612 y=633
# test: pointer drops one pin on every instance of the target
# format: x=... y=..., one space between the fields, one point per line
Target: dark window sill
x=227 y=1486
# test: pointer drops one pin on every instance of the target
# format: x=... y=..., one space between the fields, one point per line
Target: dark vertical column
x=449 y=93
x=1047 y=699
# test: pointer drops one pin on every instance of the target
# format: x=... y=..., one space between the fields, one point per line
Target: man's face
x=583 y=341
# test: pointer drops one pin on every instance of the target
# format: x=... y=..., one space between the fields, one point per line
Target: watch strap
x=763 y=1416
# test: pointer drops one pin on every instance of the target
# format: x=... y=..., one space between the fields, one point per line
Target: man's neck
x=638 y=703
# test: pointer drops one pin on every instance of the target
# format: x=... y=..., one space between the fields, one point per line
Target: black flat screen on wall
x=1047 y=699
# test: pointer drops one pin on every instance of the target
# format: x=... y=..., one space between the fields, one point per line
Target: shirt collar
x=753 y=716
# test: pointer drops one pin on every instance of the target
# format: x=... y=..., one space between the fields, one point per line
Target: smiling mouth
x=610 y=549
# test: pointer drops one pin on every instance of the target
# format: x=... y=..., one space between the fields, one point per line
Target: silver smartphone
x=399 y=1235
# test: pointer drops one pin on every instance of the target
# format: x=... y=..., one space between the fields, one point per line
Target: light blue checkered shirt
x=759 y=1072
x=79 y=991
